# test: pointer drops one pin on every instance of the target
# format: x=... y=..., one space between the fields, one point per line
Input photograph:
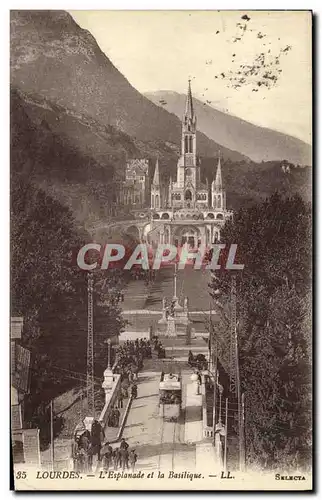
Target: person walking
x=107 y=456
x=75 y=453
x=84 y=452
x=97 y=436
x=124 y=445
x=135 y=371
x=132 y=459
x=110 y=421
x=117 y=415
x=134 y=391
x=116 y=458
x=125 y=393
x=124 y=458
x=120 y=399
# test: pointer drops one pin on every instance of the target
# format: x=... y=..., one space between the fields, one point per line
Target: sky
x=161 y=50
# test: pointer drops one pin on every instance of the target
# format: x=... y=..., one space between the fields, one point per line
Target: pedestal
x=219 y=451
x=177 y=306
x=195 y=383
x=171 y=328
x=108 y=384
x=88 y=423
x=175 y=319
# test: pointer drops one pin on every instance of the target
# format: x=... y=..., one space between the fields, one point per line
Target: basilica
x=188 y=211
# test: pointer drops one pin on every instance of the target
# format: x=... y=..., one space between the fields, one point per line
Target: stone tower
x=188 y=170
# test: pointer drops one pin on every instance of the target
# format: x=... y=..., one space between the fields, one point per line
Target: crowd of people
x=148 y=276
x=199 y=361
x=121 y=457
x=86 y=444
x=115 y=296
x=129 y=359
x=114 y=417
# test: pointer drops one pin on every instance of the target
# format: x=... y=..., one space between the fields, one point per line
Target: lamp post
x=175 y=281
x=109 y=354
x=108 y=374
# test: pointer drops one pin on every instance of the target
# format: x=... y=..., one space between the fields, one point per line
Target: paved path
x=191 y=283
x=159 y=445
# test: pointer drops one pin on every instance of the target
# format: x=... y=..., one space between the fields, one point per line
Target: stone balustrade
x=110 y=399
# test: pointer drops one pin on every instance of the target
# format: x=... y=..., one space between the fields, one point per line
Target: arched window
x=152 y=201
x=156 y=201
x=219 y=201
x=186 y=144
x=190 y=144
x=188 y=195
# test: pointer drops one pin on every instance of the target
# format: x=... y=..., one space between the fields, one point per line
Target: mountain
x=258 y=143
x=75 y=120
x=53 y=57
x=73 y=157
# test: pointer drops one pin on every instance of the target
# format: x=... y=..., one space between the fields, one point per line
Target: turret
x=156 y=188
x=218 y=195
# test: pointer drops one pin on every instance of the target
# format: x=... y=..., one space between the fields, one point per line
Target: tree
x=274 y=313
x=50 y=292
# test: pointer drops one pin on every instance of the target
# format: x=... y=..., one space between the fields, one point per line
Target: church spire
x=189 y=126
x=218 y=179
x=156 y=176
x=189 y=112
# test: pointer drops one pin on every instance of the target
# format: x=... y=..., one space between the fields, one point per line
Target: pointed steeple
x=156 y=176
x=189 y=112
x=218 y=179
x=170 y=192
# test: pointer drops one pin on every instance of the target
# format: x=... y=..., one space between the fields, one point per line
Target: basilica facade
x=188 y=211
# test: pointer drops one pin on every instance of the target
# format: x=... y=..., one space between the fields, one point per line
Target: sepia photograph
x=161 y=250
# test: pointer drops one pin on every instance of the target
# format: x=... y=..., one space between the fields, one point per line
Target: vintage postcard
x=161 y=175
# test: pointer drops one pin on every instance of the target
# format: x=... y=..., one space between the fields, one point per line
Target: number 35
x=21 y=474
